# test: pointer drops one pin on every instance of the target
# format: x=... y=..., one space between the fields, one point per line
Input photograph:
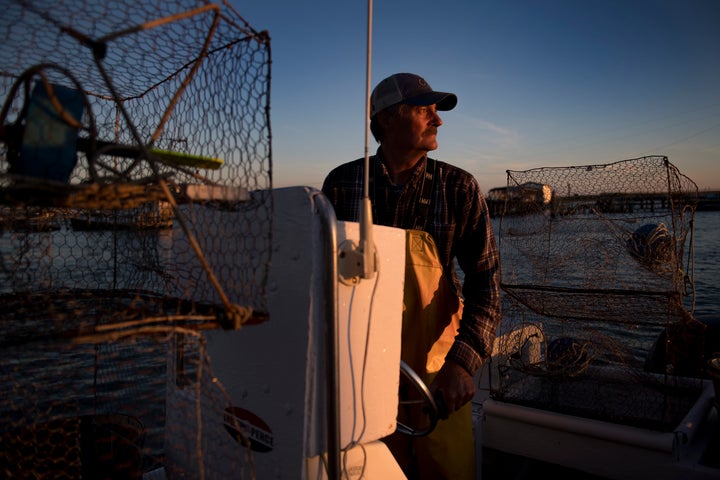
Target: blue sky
x=540 y=83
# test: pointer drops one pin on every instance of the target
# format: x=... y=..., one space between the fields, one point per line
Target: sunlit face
x=413 y=128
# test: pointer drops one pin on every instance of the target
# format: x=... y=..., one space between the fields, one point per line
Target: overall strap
x=425 y=198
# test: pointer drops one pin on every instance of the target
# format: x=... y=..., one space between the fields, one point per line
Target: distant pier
x=606 y=203
x=709 y=200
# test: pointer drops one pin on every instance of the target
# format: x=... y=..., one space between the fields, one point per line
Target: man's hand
x=454 y=385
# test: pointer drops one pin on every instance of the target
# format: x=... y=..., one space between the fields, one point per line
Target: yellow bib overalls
x=431 y=317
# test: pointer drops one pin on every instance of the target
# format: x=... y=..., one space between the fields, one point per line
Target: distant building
x=519 y=199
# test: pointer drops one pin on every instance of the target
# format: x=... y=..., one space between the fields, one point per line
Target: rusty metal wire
x=161 y=230
x=596 y=256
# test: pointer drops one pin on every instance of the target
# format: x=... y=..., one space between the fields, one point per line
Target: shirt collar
x=382 y=168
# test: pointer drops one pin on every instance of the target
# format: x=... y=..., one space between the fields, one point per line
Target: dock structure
x=709 y=200
x=502 y=204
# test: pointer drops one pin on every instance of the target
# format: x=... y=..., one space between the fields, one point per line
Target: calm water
x=95 y=248
x=706 y=270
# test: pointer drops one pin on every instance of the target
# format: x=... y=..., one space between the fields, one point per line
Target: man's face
x=414 y=128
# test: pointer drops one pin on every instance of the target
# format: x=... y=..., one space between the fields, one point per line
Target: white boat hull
x=275 y=372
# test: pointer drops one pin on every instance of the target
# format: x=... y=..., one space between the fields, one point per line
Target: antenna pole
x=360 y=261
x=366 y=180
x=367 y=246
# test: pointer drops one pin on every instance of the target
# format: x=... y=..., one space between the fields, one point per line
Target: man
x=445 y=340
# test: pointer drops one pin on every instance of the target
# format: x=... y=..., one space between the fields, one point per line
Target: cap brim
x=443 y=100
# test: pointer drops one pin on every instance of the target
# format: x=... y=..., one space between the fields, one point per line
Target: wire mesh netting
x=597 y=266
x=131 y=135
